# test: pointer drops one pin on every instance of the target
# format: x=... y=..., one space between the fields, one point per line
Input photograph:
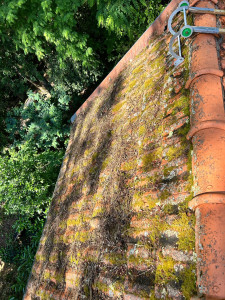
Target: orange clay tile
x=208 y=137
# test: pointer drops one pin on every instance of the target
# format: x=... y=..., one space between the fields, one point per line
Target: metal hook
x=173 y=15
x=186 y=31
x=179 y=58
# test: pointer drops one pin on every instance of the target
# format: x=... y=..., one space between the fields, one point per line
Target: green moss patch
x=125 y=187
x=165 y=270
x=185 y=227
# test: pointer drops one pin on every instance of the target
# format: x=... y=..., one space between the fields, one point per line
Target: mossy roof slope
x=119 y=226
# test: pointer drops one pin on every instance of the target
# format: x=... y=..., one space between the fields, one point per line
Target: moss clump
x=149 y=83
x=79 y=236
x=134 y=119
x=167 y=96
x=79 y=204
x=74 y=259
x=183 y=206
x=142 y=130
x=129 y=165
x=153 y=179
x=144 y=295
x=185 y=227
x=79 y=179
x=159 y=129
x=188 y=278
x=91 y=258
x=59 y=277
x=95 y=156
x=183 y=131
x=181 y=104
x=173 y=152
x=96 y=197
x=157 y=46
x=152 y=295
x=47 y=275
x=98 y=211
x=87 y=152
x=157 y=227
x=44 y=295
x=151 y=229
x=165 y=270
x=82 y=236
x=137 y=70
x=131 y=85
x=101 y=286
x=86 y=289
x=105 y=163
x=141 y=202
x=93 y=170
x=74 y=222
x=116 y=258
x=158 y=65
x=138 y=260
x=118 y=285
x=167 y=171
x=62 y=225
x=75 y=170
x=170 y=209
x=43 y=240
x=87 y=162
x=39 y=257
x=165 y=194
x=53 y=258
x=150 y=159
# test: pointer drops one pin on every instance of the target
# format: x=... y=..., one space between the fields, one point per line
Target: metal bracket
x=186 y=31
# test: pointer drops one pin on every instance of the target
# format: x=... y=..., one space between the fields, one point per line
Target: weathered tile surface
x=119 y=226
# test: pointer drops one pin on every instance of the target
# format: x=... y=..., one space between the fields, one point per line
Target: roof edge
x=157 y=27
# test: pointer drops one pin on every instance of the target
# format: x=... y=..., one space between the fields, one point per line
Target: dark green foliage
x=27 y=180
x=42 y=121
x=65 y=26
x=28 y=171
x=20 y=251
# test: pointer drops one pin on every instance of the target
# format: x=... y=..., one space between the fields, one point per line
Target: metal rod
x=179 y=44
x=201 y=29
x=179 y=59
x=220 y=12
x=201 y=10
x=222 y=30
x=185 y=17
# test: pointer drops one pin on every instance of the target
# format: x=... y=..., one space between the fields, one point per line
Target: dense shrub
x=27 y=180
x=29 y=168
x=43 y=121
